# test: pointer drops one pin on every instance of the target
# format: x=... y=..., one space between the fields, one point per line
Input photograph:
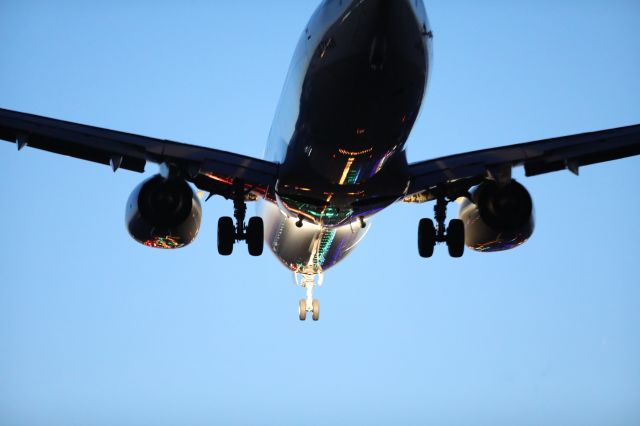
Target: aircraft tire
x=316 y=310
x=455 y=238
x=302 y=310
x=226 y=235
x=255 y=236
x=426 y=237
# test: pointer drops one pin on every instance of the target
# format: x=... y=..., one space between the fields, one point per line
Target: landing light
x=355 y=153
x=345 y=172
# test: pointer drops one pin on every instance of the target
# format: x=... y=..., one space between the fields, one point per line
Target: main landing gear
x=311 y=305
x=429 y=235
x=228 y=232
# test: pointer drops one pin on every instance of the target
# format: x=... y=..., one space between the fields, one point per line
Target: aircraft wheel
x=426 y=237
x=255 y=236
x=226 y=235
x=455 y=238
x=302 y=310
x=316 y=310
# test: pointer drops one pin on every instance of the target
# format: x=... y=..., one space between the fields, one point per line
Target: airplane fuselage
x=351 y=97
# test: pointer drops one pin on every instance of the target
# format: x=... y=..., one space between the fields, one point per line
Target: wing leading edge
x=537 y=157
x=210 y=169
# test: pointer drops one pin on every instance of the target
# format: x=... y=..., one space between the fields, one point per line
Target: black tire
x=255 y=236
x=226 y=235
x=455 y=238
x=426 y=237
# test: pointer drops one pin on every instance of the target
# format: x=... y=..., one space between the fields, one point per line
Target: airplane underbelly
x=360 y=95
x=353 y=92
x=310 y=249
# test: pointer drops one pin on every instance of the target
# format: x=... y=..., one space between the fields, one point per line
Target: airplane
x=335 y=156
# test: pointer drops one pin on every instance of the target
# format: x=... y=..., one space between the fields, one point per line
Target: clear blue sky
x=98 y=330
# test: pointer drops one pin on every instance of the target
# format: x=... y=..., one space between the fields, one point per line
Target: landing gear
x=228 y=232
x=308 y=281
x=303 y=309
x=429 y=235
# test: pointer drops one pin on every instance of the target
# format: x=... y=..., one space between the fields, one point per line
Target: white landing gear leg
x=308 y=281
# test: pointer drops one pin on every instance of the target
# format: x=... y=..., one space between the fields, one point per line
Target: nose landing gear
x=429 y=235
x=311 y=305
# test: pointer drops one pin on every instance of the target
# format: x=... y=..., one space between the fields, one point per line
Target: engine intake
x=498 y=217
x=163 y=213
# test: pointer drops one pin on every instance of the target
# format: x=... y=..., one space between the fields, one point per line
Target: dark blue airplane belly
x=310 y=196
x=361 y=93
x=360 y=96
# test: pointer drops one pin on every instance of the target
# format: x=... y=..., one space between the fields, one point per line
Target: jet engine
x=163 y=213
x=497 y=217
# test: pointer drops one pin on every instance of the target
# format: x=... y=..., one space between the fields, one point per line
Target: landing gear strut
x=429 y=235
x=228 y=232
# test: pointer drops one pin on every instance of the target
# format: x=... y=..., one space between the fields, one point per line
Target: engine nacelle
x=163 y=213
x=498 y=217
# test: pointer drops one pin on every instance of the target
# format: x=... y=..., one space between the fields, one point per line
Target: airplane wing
x=209 y=169
x=452 y=174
